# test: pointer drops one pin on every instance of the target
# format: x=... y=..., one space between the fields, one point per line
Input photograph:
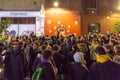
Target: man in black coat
x=17 y=66
x=103 y=68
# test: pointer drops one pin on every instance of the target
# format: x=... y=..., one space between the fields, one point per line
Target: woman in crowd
x=116 y=58
x=78 y=71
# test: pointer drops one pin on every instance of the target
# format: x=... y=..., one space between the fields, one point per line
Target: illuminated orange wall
x=55 y=17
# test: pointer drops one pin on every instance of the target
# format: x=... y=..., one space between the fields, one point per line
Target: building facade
x=25 y=22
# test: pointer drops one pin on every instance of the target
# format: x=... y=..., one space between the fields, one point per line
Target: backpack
x=37 y=74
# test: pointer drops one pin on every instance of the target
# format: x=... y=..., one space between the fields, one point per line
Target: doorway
x=94 y=27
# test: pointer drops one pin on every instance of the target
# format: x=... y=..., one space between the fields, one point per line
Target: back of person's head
x=29 y=41
x=107 y=46
x=83 y=47
x=35 y=45
x=48 y=47
x=116 y=49
x=63 y=45
x=43 y=47
x=77 y=57
x=20 y=44
x=45 y=43
x=75 y=48
x=100 y=50
x=55 y=47
x=47 y=54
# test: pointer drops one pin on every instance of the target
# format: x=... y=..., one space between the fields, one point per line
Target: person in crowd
x=28 y=53
x=103 y=68
x=116 y=58
x=86 y=52
x=69 y=57
x=109 y=50
x=113 y=42
x=35 y=49
x=6 y=54
x=64 y=52
x=17 y=66
x=49 y=70
x=58 y=58
x=94 y=44
x=39 y=55
x=37 y=60
x=43 y=48
x=77 y=69
x=81 y=50
x=69 y=46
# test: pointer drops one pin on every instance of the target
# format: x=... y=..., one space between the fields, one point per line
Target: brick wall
x=105 y=24
x=20 y=4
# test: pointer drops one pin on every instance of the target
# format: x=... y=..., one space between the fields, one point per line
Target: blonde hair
x=48 y=47
x=82 y=47
x=117 y=49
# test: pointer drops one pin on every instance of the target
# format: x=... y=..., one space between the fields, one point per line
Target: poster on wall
x=13 y=30
x=26 y=29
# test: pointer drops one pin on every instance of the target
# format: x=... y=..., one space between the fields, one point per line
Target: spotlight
x=92 y=11
x=108 y=17
x=56 y=4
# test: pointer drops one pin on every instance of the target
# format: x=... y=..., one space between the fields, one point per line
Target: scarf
x=103 y=58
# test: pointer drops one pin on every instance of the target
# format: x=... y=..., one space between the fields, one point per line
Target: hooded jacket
x=104 y=69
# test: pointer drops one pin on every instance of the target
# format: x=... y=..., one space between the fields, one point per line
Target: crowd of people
x=93 y=56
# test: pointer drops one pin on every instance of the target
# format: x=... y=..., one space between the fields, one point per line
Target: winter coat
x=36 y=63
x=58 y=58
x=48 y=72
x=104 y=71
x=17 y=65
x=77 y=71
x=7 y=67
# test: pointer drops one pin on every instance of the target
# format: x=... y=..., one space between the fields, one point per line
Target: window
x=31 y=20
x=23 y=20
x=20 y=20
x=15 y=21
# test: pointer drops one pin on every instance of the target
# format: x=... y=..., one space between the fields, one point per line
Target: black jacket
x=48 y=72
x=58 y=58
x=36 y=63
x=17 y=65
x=104 y=71
x=77 y=71
x=7 y=67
